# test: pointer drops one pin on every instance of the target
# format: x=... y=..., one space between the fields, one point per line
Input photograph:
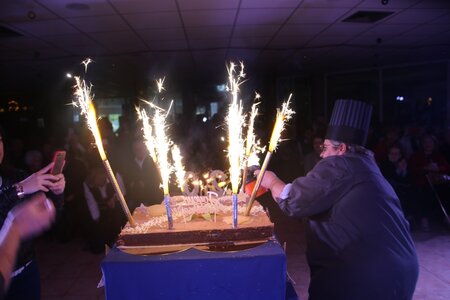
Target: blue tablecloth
x=256 y=273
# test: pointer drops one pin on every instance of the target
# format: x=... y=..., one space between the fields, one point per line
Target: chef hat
x=349 y=122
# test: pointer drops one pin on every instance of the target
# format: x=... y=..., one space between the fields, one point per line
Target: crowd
x=413 y=159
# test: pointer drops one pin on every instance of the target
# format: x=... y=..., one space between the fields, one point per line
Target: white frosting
x=183 y=207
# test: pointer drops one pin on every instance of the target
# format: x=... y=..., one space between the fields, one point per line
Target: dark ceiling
x=130 y=40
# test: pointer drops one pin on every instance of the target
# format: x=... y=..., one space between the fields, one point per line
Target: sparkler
x=147 y=134
x=160 y=84
x=84 y=97
x=179 y=168
x=235 y=120
x=282 y=116
x=250 y=141
x=162 y=151
x=158 y=145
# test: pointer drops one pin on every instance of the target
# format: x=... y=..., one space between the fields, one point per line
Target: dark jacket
x=359 y=246
x=9 y=199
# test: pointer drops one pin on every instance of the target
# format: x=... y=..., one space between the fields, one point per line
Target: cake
x=198 y=221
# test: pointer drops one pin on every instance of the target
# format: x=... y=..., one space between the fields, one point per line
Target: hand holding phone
x=59 y=159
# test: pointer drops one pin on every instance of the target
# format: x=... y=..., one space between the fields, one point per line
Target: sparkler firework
x=84 y=102
x=179 y=168
x=250 y=141
x=158 y=145
x=235 y=121
x=282 y=116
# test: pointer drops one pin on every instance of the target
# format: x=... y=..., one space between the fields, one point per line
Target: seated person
x=106 y=214
x=394 y=168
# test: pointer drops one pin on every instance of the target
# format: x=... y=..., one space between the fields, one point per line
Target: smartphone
x=59 y=158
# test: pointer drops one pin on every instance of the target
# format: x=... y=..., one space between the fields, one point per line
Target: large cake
x=198 y=221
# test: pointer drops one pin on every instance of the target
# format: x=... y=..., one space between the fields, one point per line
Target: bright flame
x=86 y=62
x=251 y=131
x=147 y=134
x=84 y=98
x=162 y=145
x=160 y=84
x=282 y=116
x=179 y=168
x=235 y=121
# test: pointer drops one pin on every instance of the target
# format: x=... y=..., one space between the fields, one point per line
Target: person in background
x=106 y=214
x=23 y=222
x=142 y=178
x=34 y=161
x=358 y=240
x=391 y=137
x=427 y=167
x=394 y=168
x=312 y=158
x=16 y=188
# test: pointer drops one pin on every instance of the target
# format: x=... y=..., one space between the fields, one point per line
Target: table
x=256 y=273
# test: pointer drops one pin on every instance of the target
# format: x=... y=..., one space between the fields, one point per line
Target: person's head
x=335 y=148
x=395 y=153
x=332 y=148
x=97 y=176
x=317 y=144
x=429 y=144
x=34 y=160
x=139 y=149
x=392 y=135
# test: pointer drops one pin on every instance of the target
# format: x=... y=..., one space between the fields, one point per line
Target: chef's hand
x=268 y=179
x=272 y=182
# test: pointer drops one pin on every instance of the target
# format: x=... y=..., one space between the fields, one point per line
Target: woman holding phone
x=15 y=188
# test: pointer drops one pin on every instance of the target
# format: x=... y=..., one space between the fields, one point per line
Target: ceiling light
x=31 y=15
x=367 y=16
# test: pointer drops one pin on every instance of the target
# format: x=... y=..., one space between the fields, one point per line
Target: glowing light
x=251 y=157
x=68 y=75
x=147 y=134
x=84 y=97
x=179 y=168
x=86 y=62
x=235 y=121
x=160 y=84
x=282 y=115
x=162 y=146
x=250 y=130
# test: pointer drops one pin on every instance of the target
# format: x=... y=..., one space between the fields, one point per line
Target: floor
x=69 y=272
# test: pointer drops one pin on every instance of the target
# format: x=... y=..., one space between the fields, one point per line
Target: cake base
x=212 y=232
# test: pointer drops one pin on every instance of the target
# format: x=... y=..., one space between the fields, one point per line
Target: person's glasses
x=324 y=147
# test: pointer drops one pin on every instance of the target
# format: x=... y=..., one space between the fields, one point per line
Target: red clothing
x=419 y=161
